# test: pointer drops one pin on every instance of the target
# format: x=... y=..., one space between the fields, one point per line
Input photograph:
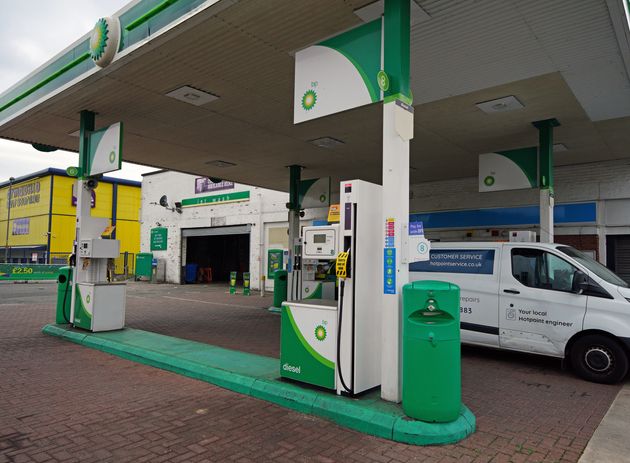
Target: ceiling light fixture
x=326 y=142
x=220 y=163
x=559 y=147
x=500 y=105
x=192 y=95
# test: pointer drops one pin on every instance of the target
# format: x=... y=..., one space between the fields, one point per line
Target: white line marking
x=212 y=303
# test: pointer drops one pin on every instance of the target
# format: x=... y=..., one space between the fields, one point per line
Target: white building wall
x=265 y=209
x=606 y=183
x=583 y=182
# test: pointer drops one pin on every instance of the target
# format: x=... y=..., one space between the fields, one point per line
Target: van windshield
x=593 y=266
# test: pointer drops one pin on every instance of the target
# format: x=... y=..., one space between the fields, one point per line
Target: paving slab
x=610 y=443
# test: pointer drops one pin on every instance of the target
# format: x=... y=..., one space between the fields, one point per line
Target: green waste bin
x=279 y=287
x=64 y=295
x=144 y=265
x=431 y=371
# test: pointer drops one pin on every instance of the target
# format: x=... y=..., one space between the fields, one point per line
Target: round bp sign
x=105 y=40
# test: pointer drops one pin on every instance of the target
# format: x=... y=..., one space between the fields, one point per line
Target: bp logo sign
x=112 y=156
x=489 y=180
x=320 y=332
x=309 y=100
x=104 y=41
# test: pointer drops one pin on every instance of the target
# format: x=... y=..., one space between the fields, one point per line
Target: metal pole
x=395 y=188
x=545 y=181
x=6 y=244
x=294 y=229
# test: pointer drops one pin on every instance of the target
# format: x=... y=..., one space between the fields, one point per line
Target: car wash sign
x=508 y=170
x=104 y=150
x=339 y=73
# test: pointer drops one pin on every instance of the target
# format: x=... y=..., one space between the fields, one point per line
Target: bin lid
x=431 y=285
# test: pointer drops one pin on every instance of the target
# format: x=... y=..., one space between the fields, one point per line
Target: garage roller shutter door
x=622 y=258
x=213 y=231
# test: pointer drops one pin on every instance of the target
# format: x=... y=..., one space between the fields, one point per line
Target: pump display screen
x=319 y=239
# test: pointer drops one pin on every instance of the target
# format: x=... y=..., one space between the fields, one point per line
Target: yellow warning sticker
x=342 y=264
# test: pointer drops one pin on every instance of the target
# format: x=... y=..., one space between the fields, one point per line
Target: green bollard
x=233 y=282
x=246 y=284
x=280 y=287
x=431 y=356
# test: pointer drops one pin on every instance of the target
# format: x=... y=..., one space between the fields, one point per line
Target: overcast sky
x=32 y=32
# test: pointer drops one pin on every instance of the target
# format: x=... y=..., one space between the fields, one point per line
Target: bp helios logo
x=98 y=39
x=104 y=40
x=489 y=180
x=320 y=332
x=309 y=100
x=292 y=369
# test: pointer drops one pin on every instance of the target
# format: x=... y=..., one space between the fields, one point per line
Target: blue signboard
x=389 y=271
x=475 y=261
x=506 y=216
x=416 y=228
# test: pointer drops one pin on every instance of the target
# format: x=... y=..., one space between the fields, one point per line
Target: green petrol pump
x=431 y=366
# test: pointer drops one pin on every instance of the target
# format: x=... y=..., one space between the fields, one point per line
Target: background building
x=224 y=226
x=227 y=232
x=42 y=216
x=592 y=211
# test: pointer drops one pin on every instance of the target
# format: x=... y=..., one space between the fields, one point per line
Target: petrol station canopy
x=563 y=59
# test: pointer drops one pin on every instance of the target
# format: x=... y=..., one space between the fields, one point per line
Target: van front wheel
x=599 y=359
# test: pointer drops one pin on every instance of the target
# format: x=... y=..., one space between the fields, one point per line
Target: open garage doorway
x=212 y=253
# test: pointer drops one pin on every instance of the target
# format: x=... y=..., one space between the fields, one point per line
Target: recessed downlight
x=327 y=142
x=220 y=163
x=500 y=105
x=192 y=95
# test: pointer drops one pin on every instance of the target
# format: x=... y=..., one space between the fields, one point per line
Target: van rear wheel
x=599 y=359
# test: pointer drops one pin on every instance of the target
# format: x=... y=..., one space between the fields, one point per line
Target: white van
x=547 y=299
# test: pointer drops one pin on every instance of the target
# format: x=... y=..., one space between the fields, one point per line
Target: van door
x=538 y=309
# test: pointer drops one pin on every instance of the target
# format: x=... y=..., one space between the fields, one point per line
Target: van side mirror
x=580 y=282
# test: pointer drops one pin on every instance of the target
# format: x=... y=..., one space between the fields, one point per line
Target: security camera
x=178 y=207
x=302 y=213
x=91 y=183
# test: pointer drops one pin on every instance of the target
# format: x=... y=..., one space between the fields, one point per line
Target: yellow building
x=41 y=216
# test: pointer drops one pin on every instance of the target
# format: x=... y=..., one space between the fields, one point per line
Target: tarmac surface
x=63 y=402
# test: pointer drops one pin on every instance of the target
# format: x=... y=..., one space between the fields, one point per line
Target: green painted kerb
x=257 y=376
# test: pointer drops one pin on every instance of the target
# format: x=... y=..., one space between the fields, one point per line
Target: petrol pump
x=319 y=252
x=96 y=304
x=334 y=342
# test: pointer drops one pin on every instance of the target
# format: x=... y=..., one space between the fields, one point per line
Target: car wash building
x=216 y=227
